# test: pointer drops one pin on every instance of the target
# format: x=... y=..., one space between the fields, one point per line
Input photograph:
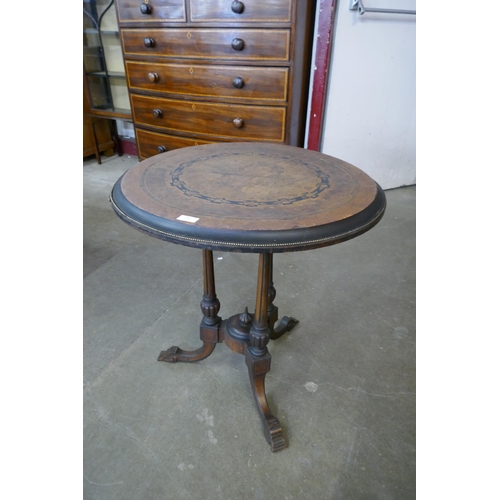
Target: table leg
x=257 y=357
x=209 y=329
x=286 y=323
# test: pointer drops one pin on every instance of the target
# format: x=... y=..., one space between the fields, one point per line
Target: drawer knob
x=157 y=113
x=149 y=43
x=238 y=123
x=153 y=77
x=162 y=149
x=238 y=83
x=146 y=8
x=237 y=7
x=237 y=44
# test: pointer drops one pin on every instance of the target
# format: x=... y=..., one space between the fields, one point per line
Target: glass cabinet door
x=103 y=61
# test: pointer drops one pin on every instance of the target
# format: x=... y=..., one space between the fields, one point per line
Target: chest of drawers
x=202 y=71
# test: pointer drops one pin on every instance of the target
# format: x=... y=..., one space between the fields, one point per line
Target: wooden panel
x=97 y=135
x=264 y=45
x=263 y=123
x=268 y=84
x=102 y=134
x=254 y=10
x=161 y=10
x=149 y=142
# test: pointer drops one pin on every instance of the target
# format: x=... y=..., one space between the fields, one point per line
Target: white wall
x=369 y=118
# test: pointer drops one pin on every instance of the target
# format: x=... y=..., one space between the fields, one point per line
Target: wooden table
x=247 y=197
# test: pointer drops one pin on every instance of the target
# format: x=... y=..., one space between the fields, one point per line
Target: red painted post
x=320 y=72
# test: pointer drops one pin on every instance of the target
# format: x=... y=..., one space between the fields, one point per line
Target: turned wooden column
x=259 y=332
x=210 y=304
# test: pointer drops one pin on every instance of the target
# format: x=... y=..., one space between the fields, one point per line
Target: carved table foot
x=210 y=332
x=258 y=366
x=174 y=354
x=285 y=325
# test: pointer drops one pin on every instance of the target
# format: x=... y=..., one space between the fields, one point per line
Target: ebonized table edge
x=254 y=241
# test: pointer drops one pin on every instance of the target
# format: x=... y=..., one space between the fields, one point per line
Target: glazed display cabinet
x=103 y=60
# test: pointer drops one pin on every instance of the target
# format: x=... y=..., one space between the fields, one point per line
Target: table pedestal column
x=245 y=333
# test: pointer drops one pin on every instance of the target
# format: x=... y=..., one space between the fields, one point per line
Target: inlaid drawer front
x=242 y=11
x=152 y=143
x=238 y=82
x=263 y=123
x=233 y=44
x=150 y=11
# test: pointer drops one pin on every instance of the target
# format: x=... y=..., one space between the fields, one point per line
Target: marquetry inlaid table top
x=248 y=197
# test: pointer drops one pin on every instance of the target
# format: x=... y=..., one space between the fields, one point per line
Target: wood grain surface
x=277 y=195
x=182 y=79
x=209 y=43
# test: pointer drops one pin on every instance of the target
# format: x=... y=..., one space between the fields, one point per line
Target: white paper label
x=188 y=218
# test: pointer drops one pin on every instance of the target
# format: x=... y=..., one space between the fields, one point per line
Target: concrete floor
x=342 y=382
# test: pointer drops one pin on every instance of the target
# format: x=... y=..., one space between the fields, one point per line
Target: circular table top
x=248 y=197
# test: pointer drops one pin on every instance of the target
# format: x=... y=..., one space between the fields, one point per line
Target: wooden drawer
x=149 y=142
x=129 y=11
x=231 y=82
x=264 y=123
x=205 y=43
x=272 y=11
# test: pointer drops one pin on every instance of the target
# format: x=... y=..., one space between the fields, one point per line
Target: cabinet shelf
x=116 y=113
x=103 y=74
x=95 y=31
